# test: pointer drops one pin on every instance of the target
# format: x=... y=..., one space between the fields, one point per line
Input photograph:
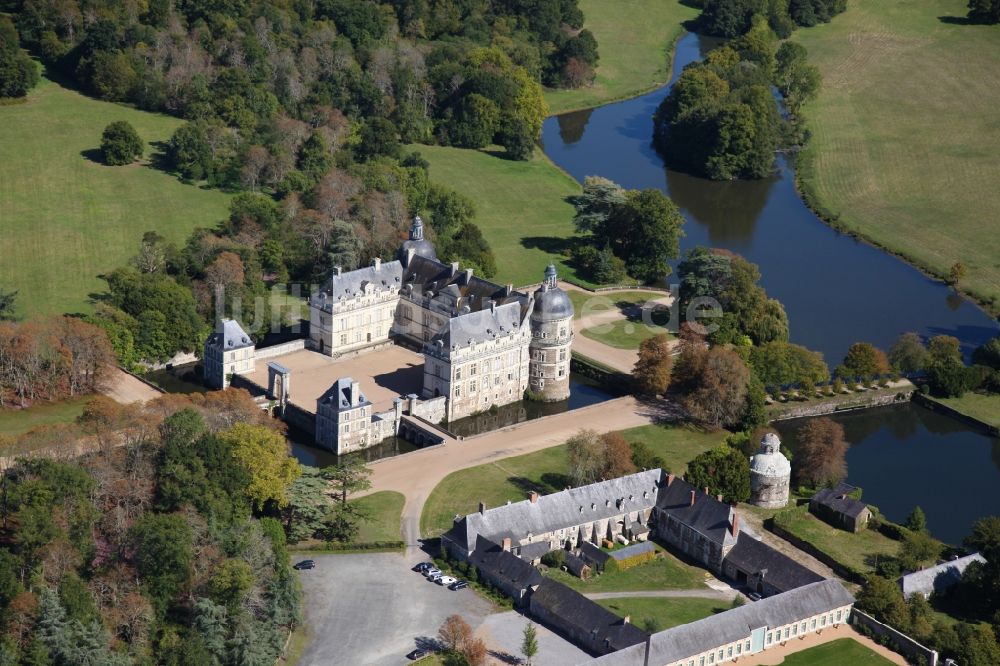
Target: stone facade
x=343 y=418
x=770 y=474
x=228 y=351
x=484 y=344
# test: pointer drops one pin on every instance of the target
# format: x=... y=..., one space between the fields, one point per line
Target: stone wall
x=280 y=350
x=899 y=641
x=432 y=410
x=843 y=403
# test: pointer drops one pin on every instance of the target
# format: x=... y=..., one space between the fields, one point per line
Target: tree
x=643 y=456
x=120 y=144
x=586 y=457
x=652 y=371
x=908 y=353
x=617 y=456
x=987 y=354
x=984 y=11
x=917 y=549
x=718 y=393
x=342 y=523
x=724 y=470
x=821 y=454
x=916 y=521
x=946 y=371
x=307 y=505
x=599 y=199
x=349 y=476
x=454 y=633
x=164 y=554
x=864 y=360
x=529 y=643
x=644 y=232
x=883 y=599
x=263 y=455
x=18 y=73
x=7 y=304
x=778 y=363
x=956 y=273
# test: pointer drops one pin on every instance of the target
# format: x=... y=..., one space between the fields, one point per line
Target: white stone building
x=484 y=344
x=770 y=474
x=228 y=351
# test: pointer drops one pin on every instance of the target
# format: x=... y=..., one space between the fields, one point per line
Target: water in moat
x=907 y=455
x=836 y=290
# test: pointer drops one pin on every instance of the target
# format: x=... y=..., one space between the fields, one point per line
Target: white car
x=445 y=580
x=434 y=577
x=434 y=571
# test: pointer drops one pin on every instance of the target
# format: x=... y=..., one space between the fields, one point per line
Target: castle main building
x=483 y=344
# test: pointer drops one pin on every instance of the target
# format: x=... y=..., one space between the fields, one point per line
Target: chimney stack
x=454 y=268
x=692 y=497
x=627 y=619
x=468 y=275
x=509 y=289
x=377 y=263
x=718 y=498
x=533 y=496
x=409 y=255
x=736 y=524
x=506 y=544
x=337 y=270
x=355 y=393
x=482 y=507
x=706 y=490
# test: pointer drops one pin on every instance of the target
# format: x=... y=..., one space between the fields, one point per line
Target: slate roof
x=838 y=500
x=686 y=640
x=347 y=285
x=504 y=566
x=533 y=551
x=707 y=516
x=229 y=336
x=565 y=509
x=340 y=395
x=632 y=551
x=442 y=284
x=551 y=302
x=592 y=553
x=575 y=565
x=605 y=629
x=475 y=327
x=752 y=556
x=937 y=578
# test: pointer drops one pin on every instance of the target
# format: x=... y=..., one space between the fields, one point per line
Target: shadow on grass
x=549 y=244
x=93 y=155
x=960 y=20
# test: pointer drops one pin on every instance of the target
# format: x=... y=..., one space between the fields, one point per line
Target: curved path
x=417 y=474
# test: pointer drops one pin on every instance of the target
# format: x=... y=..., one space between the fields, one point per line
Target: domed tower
x=417 y=245
x=551 y=339
x=770 y=474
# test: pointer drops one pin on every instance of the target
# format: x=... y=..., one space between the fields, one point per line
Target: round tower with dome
x=770 y=474
x=417 y=245
x=551 y=339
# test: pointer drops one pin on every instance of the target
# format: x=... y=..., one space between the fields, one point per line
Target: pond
x=836 y=290
x=907 y=455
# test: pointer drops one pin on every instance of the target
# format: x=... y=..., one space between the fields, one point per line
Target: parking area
x=504 y=632
x=370 y=609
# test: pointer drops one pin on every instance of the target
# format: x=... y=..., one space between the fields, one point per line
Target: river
x=836 y=290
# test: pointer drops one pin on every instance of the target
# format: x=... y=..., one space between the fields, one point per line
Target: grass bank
x=384 y=509
x=522 y=207
x=65 y=217
x=857 y=550
x=905 y=142
x=981 y=407
x=663 y=613
x=14 y=422
x=635 y=39
x=623 y=334
x=545 y=471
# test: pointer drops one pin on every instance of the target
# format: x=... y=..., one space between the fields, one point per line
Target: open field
x=906 y=139
x=14 y=422
x=979 y=406
x=384 y=510
x=836 y=653
x=625 y=334
x=635 y=39
x=545 y=471
x=663 y=613
x=663 y=573
x=64 y=217
x=856 y=550
x=521 y=207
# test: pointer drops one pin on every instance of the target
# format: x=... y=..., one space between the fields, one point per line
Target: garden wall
x=900 y=642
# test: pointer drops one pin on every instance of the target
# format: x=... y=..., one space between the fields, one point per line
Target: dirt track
x=126 y=389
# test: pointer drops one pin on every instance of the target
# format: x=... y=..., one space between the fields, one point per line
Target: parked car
x=430 y=572
x=423 y=567
x=305 y=564
x=446 y=580
x=458 y=585
x=417 y=654
x=754 y=596
x=433 y=577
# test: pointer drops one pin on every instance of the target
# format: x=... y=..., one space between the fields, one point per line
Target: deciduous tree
x=120 y=144
x=652 y=370
x=724 y=470
x=264 y=455
x=821 y=453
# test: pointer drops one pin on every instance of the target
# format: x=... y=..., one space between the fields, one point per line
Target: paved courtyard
x=384 y=375
x=370 y=609
x=504 y=632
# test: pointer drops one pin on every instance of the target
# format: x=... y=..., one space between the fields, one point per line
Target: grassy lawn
x=65 y=217
x=635 y=39
x=521 y=207
x=545 y=471
x=663 y=573
x=14 y=422
x=623 y=334
x=985 y=408
x=385 y=509
x=906 y=137
x=663 y=613
x=858 y=551
x=586 y=303
x=836 y=653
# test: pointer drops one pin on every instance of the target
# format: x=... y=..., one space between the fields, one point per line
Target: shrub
x=120 y=144
x=554 y=559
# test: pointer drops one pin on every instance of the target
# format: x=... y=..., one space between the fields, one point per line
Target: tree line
x=731 y=18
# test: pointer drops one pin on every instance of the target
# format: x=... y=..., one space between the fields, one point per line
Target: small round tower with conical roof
x=551 y=339
x=770 y=474
x=417 y=245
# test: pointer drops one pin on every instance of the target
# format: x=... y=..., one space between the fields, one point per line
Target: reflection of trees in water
x=573 y=124
x=954 y=301
x=728 y=209
x=507 y=415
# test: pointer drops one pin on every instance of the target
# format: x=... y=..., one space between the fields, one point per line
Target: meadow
x=65 y=218
x=635 y=40
x=905 y=144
